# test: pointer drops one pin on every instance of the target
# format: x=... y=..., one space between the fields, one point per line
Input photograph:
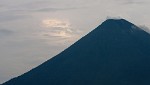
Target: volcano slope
x=115 y=53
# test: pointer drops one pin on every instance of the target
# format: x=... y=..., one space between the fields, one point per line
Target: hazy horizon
x=33 y=31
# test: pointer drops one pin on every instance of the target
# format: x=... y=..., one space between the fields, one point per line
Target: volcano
x=117 y=52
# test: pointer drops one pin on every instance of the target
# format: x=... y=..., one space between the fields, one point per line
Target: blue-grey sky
x=32 y=31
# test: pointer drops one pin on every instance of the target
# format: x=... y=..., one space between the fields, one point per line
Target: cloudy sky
x=33 y=31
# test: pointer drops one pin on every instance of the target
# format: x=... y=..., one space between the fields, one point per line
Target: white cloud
x=56 y=23
x=58 y=28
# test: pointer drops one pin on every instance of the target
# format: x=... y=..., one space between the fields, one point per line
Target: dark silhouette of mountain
x=116 y=53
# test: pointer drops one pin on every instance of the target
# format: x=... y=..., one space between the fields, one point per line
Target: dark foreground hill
x=116 y=53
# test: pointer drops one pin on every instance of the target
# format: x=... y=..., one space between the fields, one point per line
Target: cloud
x=9 y=16
x=1 y=5
x=134 y=2
x=57 y=28
x=128 y=2
x=58 y=34
x=112 y=17
x=5 y=32
x=52 y=9
x=43 y=6
x=55 y=23
x=46 y=9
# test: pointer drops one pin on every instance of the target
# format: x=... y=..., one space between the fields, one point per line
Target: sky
x=33 y=31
